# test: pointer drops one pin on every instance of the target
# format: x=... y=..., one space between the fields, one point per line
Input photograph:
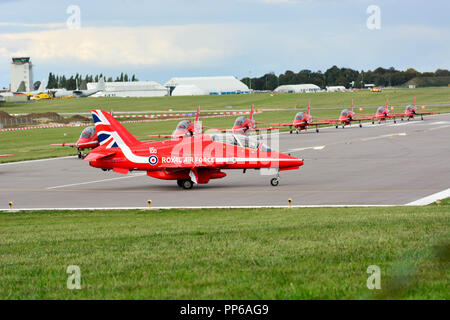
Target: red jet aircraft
x=190 y=160
x=5 y=155
x=348 y=116
x=411 y=111
x=302 y=121
x=88 y=140
x=185 y=128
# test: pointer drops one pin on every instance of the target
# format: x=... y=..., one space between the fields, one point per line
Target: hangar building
x=297 y=88
x=130 y=89
x=205 y=86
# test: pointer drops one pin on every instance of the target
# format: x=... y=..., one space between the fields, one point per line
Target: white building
x=21 y=71
x=205 y=85
x=336 y=89
x=130 y=89
x=297 y=88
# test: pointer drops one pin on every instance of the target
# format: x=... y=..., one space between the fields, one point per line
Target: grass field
x=314 y=253
x=284 y=101
x=35 y=144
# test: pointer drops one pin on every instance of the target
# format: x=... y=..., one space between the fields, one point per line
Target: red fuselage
x=175 y=159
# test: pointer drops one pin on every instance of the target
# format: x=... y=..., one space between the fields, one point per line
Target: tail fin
x=198 y=114
x=101 y=84
x=42 y=86
x=251 y=113
x=197 y=124
x=110 y=132
x=309 y=108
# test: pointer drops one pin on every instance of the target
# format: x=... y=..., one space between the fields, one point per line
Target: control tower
x=21 y=70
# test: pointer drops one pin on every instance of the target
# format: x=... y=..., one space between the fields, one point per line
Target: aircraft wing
x=5 y=155
x=160 y=136
x=64 y=144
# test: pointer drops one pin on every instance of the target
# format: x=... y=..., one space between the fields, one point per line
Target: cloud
x=33 y=25
x=188 y=45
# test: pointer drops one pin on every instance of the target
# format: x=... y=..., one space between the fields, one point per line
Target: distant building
x=205 y=86
x=336 y=88
x=297 y=88
x=21 y=72
x=130 y=89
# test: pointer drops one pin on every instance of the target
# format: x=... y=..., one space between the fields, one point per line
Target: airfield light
x=149 y=204
x=361 y=109
x=438 y=202
x=290 y=203
x=392 y=108
x=423 y=107
x=11 y=206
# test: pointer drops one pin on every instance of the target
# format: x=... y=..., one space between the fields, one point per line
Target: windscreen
x=183 y=125
x=299 y=116
x=344 y=113
x=88 y=132
x=240 y=121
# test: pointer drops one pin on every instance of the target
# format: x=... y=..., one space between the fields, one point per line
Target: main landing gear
x=185 y=184
x=81 y=155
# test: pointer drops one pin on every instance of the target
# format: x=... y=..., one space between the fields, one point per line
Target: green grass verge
x=314 y=253
x=323 y=99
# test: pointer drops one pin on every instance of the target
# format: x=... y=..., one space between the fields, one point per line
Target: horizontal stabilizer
x=98 y=155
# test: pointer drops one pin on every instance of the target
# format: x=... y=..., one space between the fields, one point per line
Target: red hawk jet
x=5 y=155
x=349 y=116
x=411 y=111
x=88 y=140
x=185 y=128
x=302 y=121
x=189 y=160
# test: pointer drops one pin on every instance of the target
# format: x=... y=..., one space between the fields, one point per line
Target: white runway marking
x=39 y=160
x=306 y=148
x=431 y=198
x=103 y=180
x=384 y=136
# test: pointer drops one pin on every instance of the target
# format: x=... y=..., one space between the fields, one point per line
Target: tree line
x=346 y=77
x=71 y=83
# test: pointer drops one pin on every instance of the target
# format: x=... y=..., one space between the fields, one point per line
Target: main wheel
x=274 y=182
x=180 y=183
x=317 y=130
x=360 y=125
x=290 y=132
x=336 y=127
x=187 y=184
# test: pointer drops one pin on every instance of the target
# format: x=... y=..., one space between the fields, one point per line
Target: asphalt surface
x=385 y=164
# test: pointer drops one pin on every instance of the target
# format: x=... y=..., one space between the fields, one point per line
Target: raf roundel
x=153 y=160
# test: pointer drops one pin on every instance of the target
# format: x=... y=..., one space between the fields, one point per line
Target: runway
x=387 y=164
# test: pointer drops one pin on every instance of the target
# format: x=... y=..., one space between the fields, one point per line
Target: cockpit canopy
x=183 y=125
x=240 y=121
x=380 y=110
x=299 y=116
x=344 y=112
x=240 y=141
x=409 y=108
x=88 y=133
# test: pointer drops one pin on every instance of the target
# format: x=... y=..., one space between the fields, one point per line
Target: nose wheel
x=275 y=181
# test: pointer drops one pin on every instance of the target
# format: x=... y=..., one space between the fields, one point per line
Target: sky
x=158 y=40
